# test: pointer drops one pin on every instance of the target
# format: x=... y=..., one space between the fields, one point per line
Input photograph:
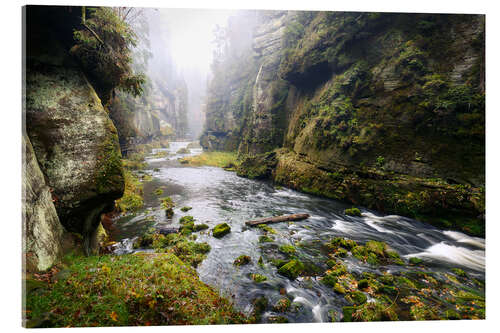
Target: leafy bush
x=103 y=47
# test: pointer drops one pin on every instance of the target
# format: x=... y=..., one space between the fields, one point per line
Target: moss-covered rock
x=292 y=269
x=258 y=277
x=329 y=280
x=265 y=239
x=220 y=230
x=356 y=297
x=199 y=227
x=363 y=284
x=259 y=305
x=352 y=211
x=415 y=261
x=282 y=305
x=287 y=249
x=183 y=151
x=242 y=260
x=74 y=140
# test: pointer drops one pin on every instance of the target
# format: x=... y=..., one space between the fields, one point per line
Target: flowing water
x=219 y=196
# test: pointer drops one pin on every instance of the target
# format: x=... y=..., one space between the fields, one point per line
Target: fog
x=181 y=43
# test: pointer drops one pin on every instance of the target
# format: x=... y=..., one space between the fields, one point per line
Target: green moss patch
x=292 y=269
x=221 y=230
x=352 y=211
x=129 y=290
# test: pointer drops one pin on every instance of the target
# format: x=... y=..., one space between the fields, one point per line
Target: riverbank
x=141 y=289
x=432 y=200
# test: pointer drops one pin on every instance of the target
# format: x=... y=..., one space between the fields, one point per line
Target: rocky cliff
x=381 y=110
x=159 y=115
x=73 y=138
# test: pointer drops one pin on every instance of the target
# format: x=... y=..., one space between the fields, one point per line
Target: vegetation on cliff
x=380 y=110
x=103 y=47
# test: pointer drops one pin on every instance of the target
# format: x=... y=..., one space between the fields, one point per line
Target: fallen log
x=166 y=231
x=275 y=219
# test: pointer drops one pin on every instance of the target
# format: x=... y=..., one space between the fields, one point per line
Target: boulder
x=73 y=138
x=42 y=231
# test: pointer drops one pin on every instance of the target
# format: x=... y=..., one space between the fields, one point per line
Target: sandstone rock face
x=42 y=231
x=369 y=105
x=243 y=109
x=74 y=140
x=264 y=129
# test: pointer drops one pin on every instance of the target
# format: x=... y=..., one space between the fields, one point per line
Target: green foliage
x=132 y=198
x=103 y=47
x=188 y=251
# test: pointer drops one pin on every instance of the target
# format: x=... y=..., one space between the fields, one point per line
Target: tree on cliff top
x=103 y=47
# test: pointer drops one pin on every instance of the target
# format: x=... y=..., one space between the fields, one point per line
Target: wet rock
x=415 y=261
x=265 y=239
x=352 y=211
x=258 y=277
x=199 y=227
x=356 y=297
x=363 y=284
x=221 y=230
x=183 y=151
x=282 y=305
x=242 y=260
x=277 y=319
x=287 y=249
x=292 y=269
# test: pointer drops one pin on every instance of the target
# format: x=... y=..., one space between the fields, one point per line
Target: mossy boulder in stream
x=292 y=269
x=242 y=260
x=220 y=230
x=352 y=211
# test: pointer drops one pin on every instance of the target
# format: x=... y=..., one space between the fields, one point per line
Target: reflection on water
x=219 y=196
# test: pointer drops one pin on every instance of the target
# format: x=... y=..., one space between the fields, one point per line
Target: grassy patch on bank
x=128 y=290
x=221 y=159
x=132 y=198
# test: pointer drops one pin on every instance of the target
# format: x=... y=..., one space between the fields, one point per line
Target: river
x=219 y=196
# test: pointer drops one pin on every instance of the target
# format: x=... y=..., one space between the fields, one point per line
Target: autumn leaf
x=113 y=316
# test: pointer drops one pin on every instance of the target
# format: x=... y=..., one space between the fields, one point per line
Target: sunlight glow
x=191 y=35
